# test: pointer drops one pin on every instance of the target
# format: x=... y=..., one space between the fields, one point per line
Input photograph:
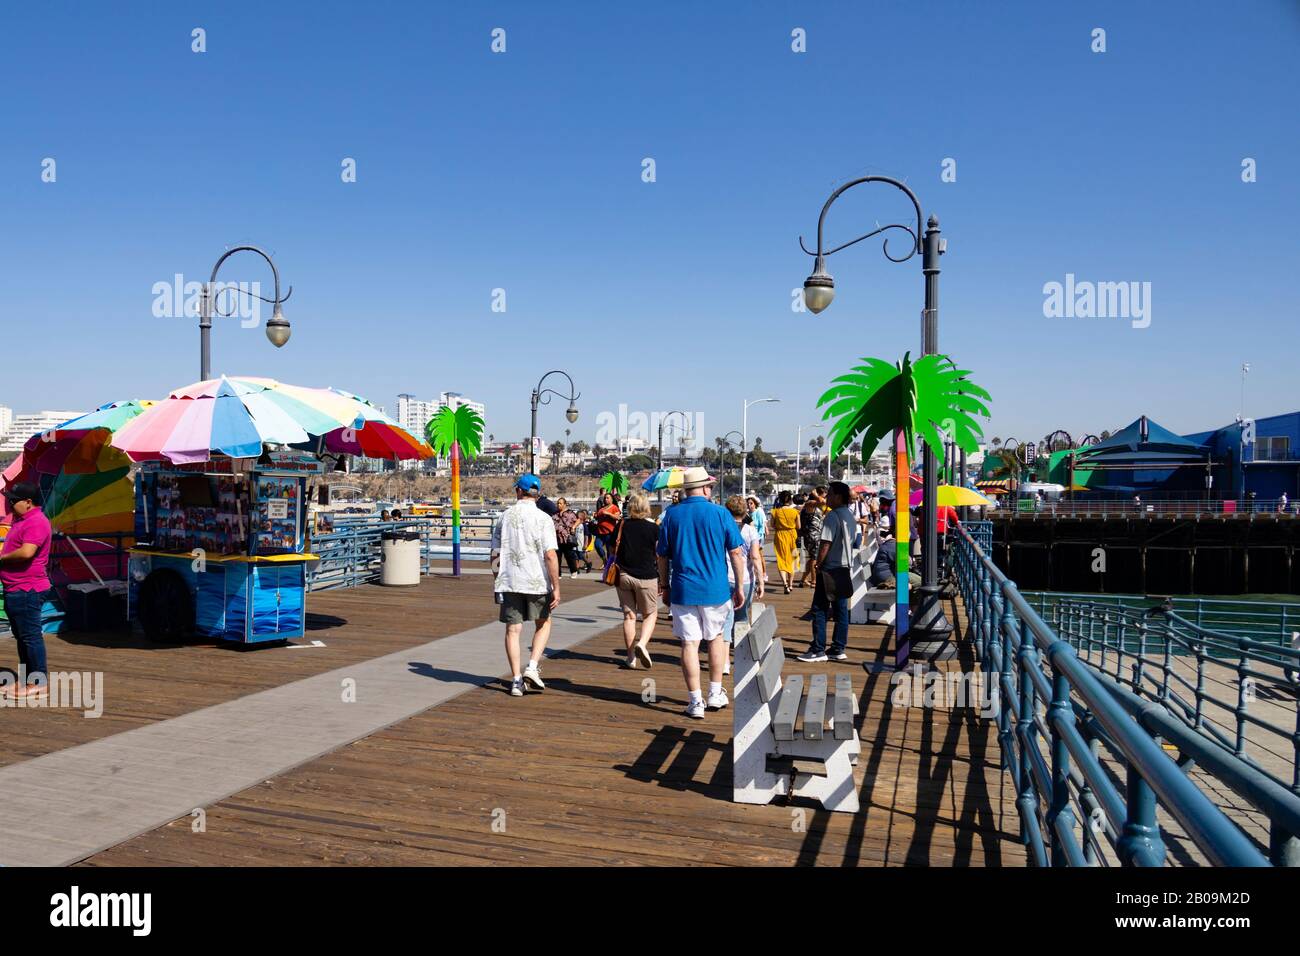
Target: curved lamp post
x=542 y=396
x=819 y=291
x=660 y=446
x=722 y=469
x=744 y=433
x=277 y=327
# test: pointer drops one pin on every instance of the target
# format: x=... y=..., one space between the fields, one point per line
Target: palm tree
x=458 y=432
x=556 y=448
x=910 y=400
x=614 y=482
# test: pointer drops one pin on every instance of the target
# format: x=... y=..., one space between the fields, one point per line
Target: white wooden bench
x=774 y=753
x=869 y=605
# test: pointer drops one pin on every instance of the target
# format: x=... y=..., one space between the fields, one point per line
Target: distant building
x=24 y=427
x=413 y=414
x=454 y=400
x=6 y=420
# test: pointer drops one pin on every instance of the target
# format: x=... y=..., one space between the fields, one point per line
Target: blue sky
x=522 y=171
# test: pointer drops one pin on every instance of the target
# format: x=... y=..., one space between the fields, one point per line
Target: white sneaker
x=532 y=678
x=573 y=574
x=717 y=701
x=517 y=687
x=695 y=709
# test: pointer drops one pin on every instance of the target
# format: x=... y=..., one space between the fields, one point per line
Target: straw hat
x=696 y=478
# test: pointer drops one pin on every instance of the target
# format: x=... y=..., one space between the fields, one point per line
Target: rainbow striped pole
x=902 y=537
x=455 y=508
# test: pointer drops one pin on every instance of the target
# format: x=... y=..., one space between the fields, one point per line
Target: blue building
x=1267 y=466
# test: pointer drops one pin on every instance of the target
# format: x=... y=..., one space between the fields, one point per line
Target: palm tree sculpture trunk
x=903 y=545
x=455 y=508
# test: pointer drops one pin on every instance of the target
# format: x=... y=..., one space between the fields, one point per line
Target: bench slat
x=761 y=631
x=769 y=670
x=843 y=709
x=788 y=708
x=814 y=710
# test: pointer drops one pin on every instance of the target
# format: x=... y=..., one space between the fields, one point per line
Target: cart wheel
x=166 y=607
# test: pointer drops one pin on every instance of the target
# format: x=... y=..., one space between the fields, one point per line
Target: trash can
x=399 y=565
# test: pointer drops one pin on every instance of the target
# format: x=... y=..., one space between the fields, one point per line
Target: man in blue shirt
x=696 y=540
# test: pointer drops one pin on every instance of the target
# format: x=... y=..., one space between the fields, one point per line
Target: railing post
x=1059 y=813
x=1007 y=627
x=1026 y=728
x=1140 y=843
x=1243 y=685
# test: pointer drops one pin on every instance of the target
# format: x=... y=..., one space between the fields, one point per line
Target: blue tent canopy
x=1144 y=444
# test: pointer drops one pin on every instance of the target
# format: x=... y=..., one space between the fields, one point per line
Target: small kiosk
x=221 y=548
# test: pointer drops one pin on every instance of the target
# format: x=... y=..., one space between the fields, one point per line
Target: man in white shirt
x=524 y=556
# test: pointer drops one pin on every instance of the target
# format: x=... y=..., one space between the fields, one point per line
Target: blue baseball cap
x=529 y=483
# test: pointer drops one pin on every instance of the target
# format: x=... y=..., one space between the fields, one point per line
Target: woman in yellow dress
x=785 y=537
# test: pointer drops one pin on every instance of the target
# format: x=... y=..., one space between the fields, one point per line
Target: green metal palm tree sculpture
x=458 y=432
x=909 y=399
x=615 y=482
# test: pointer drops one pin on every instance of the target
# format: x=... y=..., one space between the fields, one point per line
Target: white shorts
x=699 y=622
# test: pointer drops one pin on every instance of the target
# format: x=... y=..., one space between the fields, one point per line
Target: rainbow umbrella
x=236 y=417
x=377 y=437
x=664 y=478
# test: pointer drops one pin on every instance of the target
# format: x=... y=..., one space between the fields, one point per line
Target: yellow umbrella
x=960 y=497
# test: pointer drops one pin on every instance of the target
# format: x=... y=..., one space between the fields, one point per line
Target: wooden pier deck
x=600 y=769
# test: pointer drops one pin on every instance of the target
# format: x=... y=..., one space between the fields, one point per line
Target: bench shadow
x=687 y=750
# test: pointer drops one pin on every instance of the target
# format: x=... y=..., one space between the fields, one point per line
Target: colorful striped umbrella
x=377 y=437
x=236 y=417
x=664 y=478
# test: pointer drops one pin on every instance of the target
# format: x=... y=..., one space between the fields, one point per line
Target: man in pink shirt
x=24 y=557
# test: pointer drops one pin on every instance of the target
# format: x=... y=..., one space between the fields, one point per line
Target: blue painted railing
x=1055 y=714
x=351 y=554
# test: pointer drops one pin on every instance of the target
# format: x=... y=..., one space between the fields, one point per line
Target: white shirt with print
x=522 y=535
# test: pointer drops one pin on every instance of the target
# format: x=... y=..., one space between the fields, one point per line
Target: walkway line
x=64 y=806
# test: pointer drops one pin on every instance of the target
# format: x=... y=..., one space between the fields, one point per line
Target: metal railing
x=1237 y=690
x=1242 y=508
x=1056 y=713
x=351 y=554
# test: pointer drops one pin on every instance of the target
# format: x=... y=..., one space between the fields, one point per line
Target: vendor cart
x=221 y=548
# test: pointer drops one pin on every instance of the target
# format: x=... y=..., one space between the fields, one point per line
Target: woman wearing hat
x=24 y=557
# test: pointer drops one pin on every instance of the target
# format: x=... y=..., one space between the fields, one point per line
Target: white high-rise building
x=454 y=400
x=6 y=420
x=413 y=414
x=25 y=426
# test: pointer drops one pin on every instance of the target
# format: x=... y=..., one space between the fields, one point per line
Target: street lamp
x=819 y=291
x=542 y=396
x=744 y=439
x=798 y=444
x=662 y=420
x=722 y=464
x=277 y=327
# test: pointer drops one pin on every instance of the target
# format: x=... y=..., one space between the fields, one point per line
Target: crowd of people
x=702 y=560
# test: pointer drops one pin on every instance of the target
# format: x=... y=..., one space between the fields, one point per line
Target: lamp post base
x=932 y=637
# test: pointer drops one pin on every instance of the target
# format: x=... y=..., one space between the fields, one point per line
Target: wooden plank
x=814 y=709
x=843 y=708
x=787 y=711
x=769 y=670
x=589 y=773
